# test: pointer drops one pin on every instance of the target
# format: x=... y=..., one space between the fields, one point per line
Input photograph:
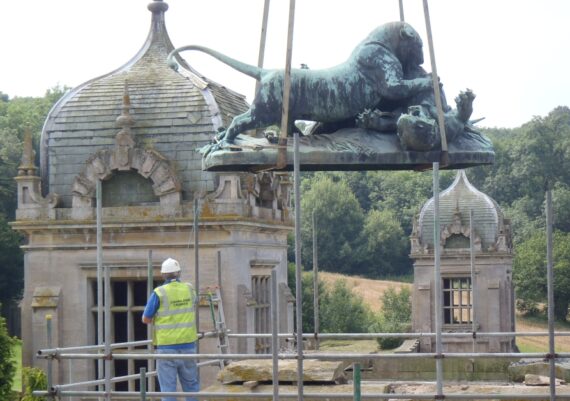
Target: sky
x=514 y=54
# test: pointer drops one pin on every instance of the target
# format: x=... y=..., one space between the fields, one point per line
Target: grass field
x=372 y=290
x=17 y=383
x=540 y=344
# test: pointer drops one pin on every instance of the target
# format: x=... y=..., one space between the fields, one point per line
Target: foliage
x=7 y=363
x=404 y=192
x=395 y=316
x=33 y=379
x=339 y=219
x=307 y=290
x=530 y=274
x=16 y=115
x=11 y=264
x=384 y=246
x=561 y=206
x=343 y=311
x=397 y=305
x=340 y=310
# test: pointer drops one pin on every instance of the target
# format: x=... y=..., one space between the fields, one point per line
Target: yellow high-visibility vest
x=175 y=320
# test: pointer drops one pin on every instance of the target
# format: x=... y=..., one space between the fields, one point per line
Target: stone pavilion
x=482 y=301
x=137 y=129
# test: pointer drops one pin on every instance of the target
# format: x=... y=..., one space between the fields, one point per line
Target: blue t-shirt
x=150 y=310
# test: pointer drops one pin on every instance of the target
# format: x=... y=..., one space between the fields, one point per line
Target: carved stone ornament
x=101 y=165
x=31 y=203
x=457 y=228
x=126 y=156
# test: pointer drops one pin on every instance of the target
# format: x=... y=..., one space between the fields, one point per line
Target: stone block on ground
x=538 y=380
x=261 y=371
x=518 y=370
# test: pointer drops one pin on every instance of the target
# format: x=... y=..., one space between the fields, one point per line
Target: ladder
x=212 y=298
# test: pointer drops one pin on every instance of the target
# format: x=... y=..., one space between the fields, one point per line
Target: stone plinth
x=347 y=149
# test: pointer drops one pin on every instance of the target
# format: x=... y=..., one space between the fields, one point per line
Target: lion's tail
x=252 y=71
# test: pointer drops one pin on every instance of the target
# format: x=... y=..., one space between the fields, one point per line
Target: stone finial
x=157 y=6
x=27 y=165
x=125 y=120
x=124 y=142
x=31 y=203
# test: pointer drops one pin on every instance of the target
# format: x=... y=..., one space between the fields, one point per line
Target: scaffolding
x=105 y=353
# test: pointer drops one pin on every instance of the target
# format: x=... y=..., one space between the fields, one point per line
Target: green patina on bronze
x=374 y=111
x=374 y=73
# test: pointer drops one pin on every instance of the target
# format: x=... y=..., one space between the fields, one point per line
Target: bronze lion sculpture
x=374 y=73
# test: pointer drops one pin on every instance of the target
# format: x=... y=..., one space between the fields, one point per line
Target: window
x=457 y=301
x=128 y=299
x=261 y=291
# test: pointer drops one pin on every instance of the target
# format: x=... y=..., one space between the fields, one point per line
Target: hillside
x=370 y=290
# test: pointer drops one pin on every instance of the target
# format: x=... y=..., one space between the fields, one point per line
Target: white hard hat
x=170 y=266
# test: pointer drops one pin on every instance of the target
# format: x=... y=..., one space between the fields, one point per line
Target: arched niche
x=149 y=164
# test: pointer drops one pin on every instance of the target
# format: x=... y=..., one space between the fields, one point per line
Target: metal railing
x=69 y=390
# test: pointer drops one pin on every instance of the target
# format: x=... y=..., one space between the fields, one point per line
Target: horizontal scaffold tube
x=249 y=395
x=319 y=356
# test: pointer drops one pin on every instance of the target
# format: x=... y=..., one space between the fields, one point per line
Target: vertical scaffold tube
x=315 y=282
x=356 y=380
x=550 y=290
x=298 y=278
x=150 y=327
x=197 y=272
x=143 y=384
x=275 y=334
x=472 y=270
x=437 y=280
x=50 y=360
x=99 y=229
x=108 y=359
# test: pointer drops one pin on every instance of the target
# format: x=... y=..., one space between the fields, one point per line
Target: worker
x=171 y=307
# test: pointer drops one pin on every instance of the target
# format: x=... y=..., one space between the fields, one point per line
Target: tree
x=524 y=220
x=340 y=310
x=339 y=220
x=561 y=206
x=33 y=379
x=530 y=276
x=11 y=264
x=7 y=364
x=395 y=316
x=343 y=311
x=307 y=289
x=16 y=115
x=404 y=192
x=385 y=246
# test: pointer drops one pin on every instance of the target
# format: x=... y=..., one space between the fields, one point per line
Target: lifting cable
x=282 y=154
x=436 y=90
